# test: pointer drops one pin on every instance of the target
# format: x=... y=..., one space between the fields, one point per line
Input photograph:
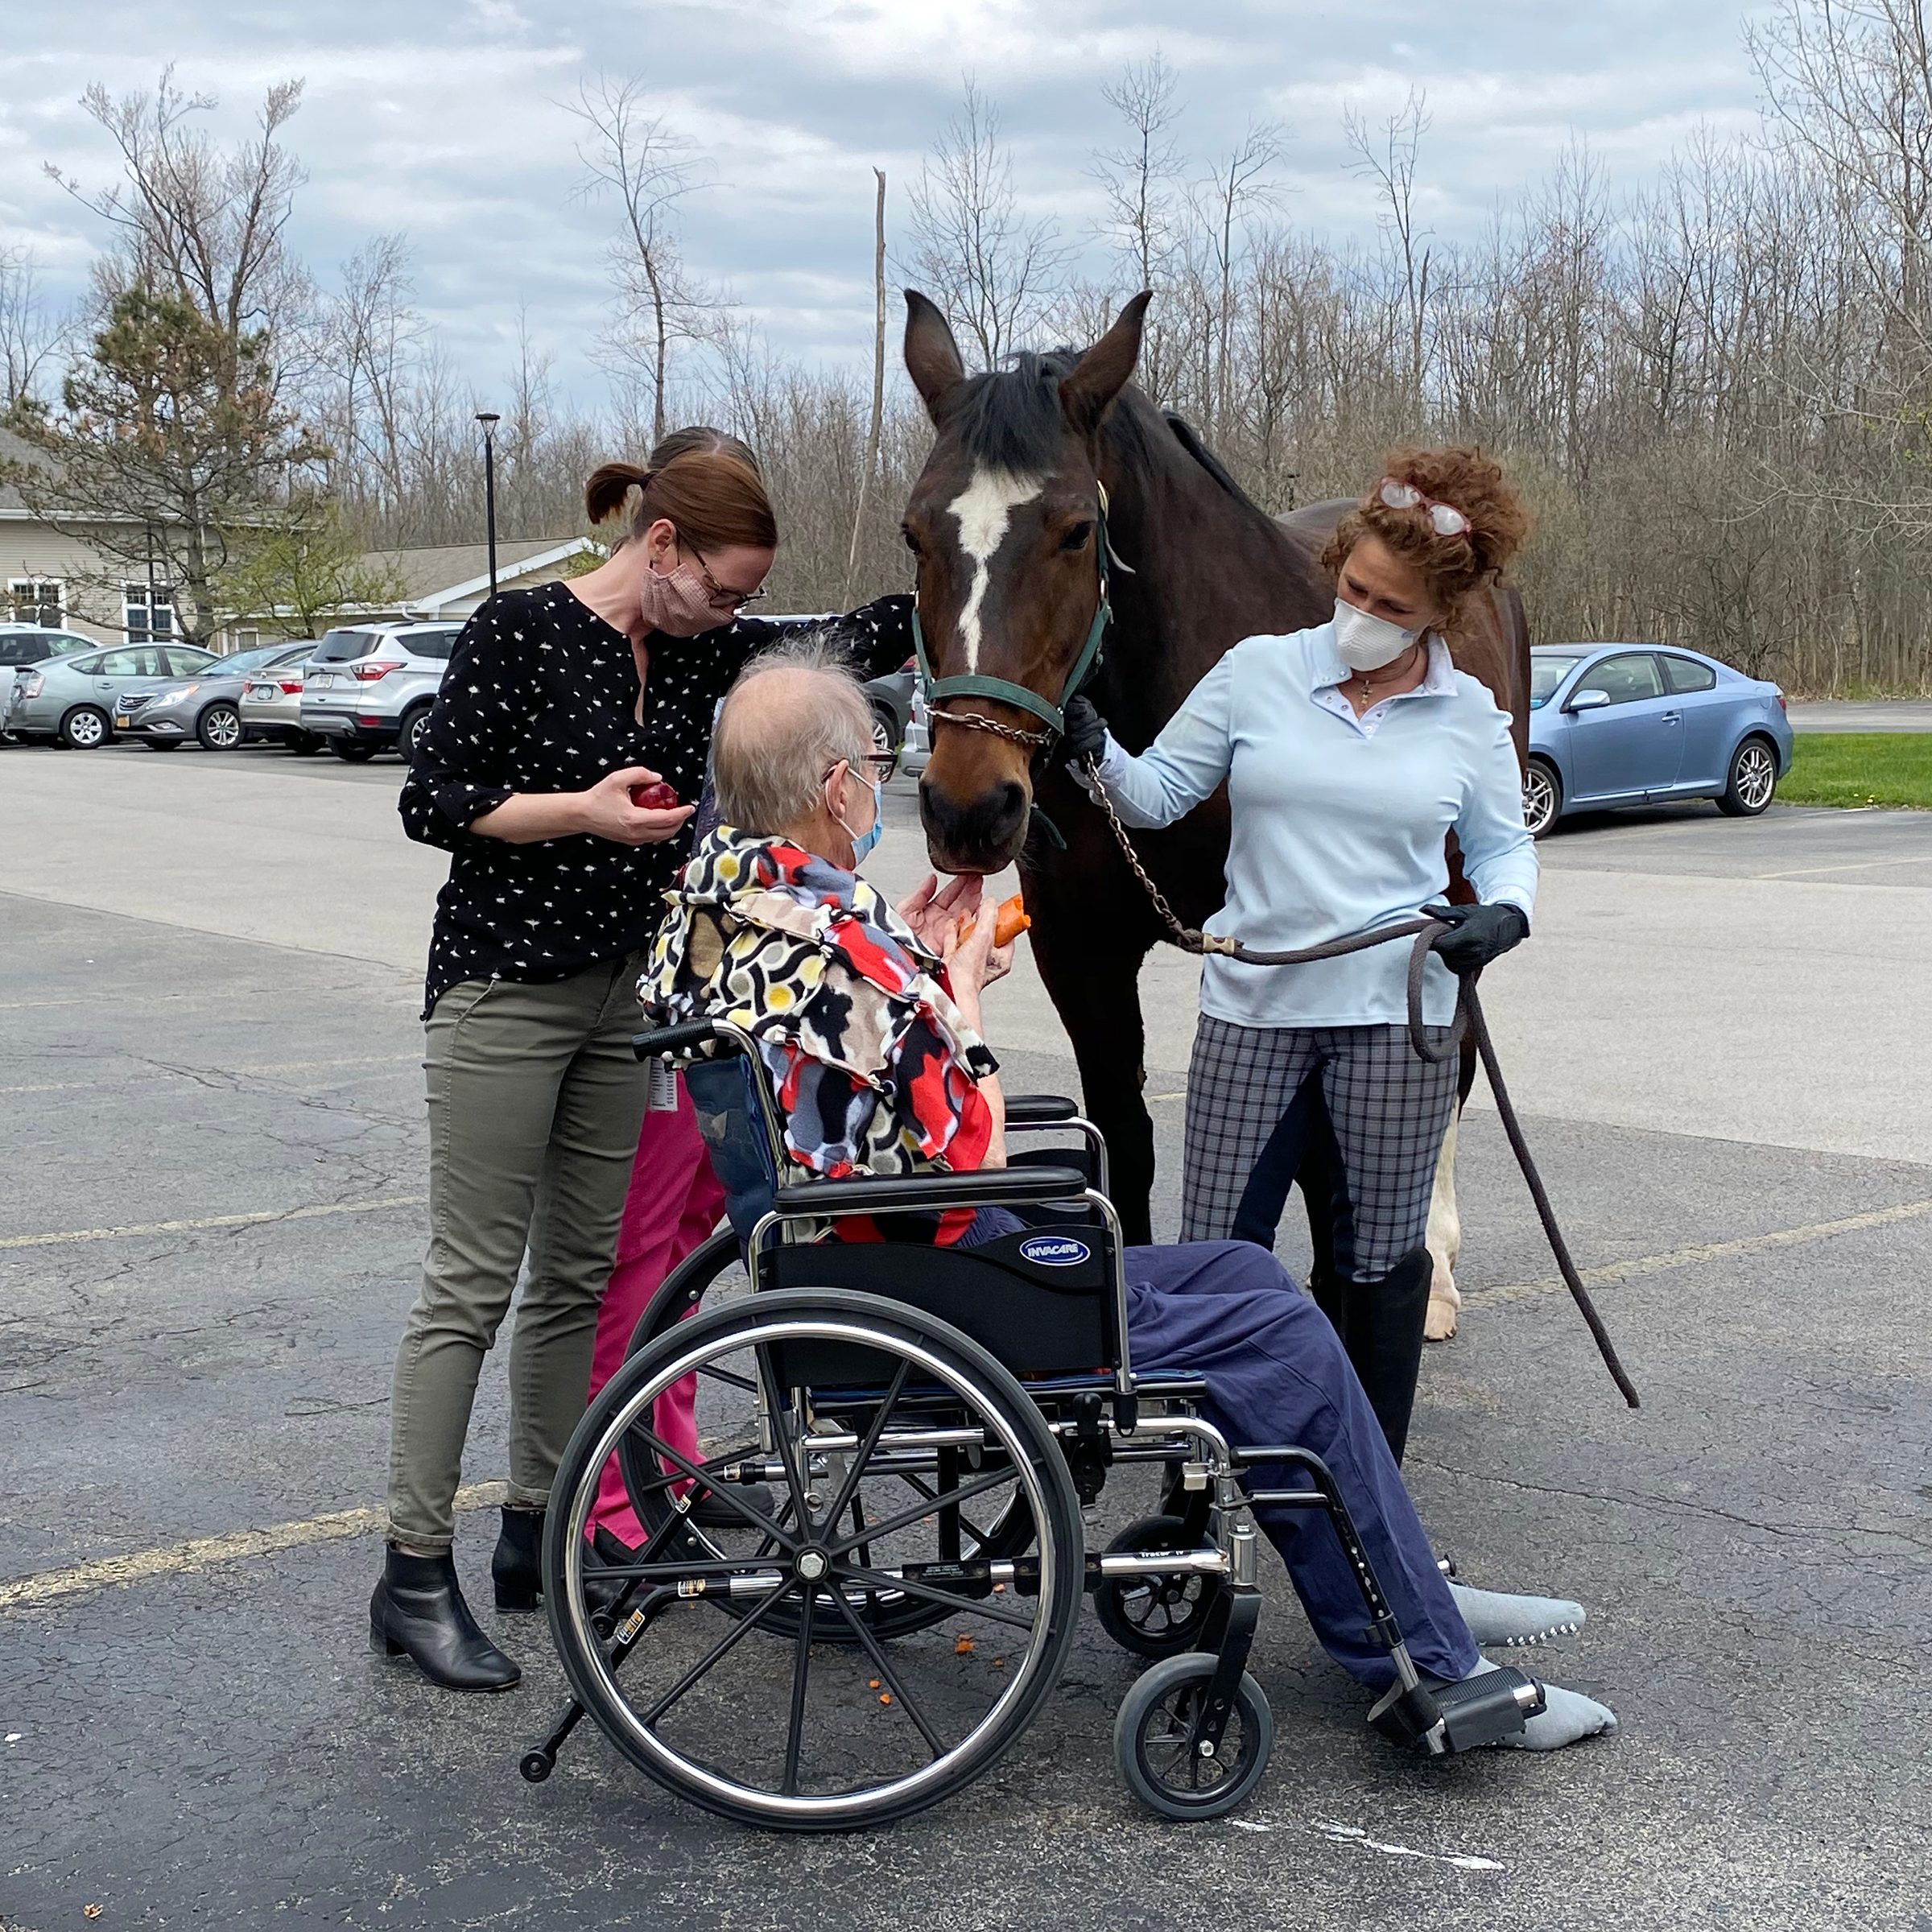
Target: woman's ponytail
x=610 y=483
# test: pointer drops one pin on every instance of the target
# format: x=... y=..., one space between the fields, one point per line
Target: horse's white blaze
x=982 y=511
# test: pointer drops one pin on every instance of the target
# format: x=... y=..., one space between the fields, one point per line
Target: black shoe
x=417 y=1612
x=713 y=1511
x=1385 y=1339
x=516 y=1569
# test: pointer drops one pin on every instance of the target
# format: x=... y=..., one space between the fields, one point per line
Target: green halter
x=1053 y=715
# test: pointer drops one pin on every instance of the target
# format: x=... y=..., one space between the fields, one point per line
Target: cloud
x=450 y=124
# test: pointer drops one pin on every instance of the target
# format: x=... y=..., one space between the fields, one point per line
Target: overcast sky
x=447 y=121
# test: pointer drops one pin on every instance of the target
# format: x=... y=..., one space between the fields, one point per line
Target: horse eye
x=1076 y=537
x=912 y=543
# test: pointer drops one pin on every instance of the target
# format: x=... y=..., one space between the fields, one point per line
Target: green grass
x=1860 y=768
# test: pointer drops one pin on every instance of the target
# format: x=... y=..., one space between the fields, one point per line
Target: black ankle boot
x=1384 y=1339
x=516 y=1569
x=417 y=1612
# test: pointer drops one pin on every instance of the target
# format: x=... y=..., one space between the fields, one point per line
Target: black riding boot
x=417 y=1612
x=516 y=1569
x=1384 y=1339
x=1330 y=1293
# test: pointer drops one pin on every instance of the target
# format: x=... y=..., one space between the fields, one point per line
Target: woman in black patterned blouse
x=560 y=703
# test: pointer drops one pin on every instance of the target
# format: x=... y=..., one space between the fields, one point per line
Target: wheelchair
x=866 y=1583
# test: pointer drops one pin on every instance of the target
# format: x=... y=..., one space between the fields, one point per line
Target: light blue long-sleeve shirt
x=1338 y=821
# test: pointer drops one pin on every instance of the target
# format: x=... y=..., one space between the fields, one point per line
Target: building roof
x=17 y=449
x=448 y=573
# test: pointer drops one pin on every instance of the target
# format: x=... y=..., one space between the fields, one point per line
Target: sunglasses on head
x=1445 y=519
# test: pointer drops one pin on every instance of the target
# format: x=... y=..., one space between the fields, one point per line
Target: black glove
x=1084 y=735
x=1476 y=934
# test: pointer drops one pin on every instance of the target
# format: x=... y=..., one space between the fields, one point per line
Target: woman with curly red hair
x=1350 y=752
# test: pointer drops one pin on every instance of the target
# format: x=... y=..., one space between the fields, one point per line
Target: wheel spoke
x=980 y=1537
x=849 y=1488
x=977 y=1487
x=801 y=1670
x=715 y=1654
x=913 y=1585
x=794 y=1477
x=729 y=1377
x=881 y=1664
x=750 y=1511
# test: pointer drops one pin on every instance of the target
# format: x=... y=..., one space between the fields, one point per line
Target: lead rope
x=1469 y=1020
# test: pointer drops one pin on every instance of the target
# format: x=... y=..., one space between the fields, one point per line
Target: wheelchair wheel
x=1154 y=1616
x=1000 y=1528
x=800 y=1733
x=1154 y=1746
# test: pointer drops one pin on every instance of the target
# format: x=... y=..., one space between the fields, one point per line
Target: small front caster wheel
x=537 y=1765
x=1154 y=1616
x=1161 y=1759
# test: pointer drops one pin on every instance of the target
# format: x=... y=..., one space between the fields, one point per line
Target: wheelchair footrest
x=1446 y=1718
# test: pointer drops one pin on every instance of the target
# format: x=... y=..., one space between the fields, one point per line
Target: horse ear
x=932 y=357
x=1092 y=384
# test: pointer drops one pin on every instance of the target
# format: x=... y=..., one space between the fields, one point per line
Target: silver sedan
x=205 y=708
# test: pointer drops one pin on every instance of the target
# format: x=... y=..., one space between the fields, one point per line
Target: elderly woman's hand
x=972 y=958
x=934 y=912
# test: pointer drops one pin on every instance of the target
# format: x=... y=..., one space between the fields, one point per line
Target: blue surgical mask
x=862 y=842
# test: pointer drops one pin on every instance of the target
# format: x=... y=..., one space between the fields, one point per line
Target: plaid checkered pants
x=1389 y=1109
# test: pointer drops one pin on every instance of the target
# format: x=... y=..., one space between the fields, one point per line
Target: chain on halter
x=977 y=720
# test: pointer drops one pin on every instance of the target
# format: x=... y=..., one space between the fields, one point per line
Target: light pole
x=489 y=419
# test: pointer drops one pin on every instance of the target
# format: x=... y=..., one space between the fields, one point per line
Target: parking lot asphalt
x=209 y=977
x=1862 y=714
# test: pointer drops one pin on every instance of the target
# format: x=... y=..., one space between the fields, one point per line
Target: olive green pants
x=534 y=1106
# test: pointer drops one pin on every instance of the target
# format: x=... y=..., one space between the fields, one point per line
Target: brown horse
x=1003 y=521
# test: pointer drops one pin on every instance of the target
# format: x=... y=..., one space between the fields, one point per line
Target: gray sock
x=1496 y=1617
x=1568 y=1717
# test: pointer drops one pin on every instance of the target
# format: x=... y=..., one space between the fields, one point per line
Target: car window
x=183 y=660
x=1687 y=674
x=1628 y=678
x=122 y=664
x=295 y=654
x=345 y=646
x=22 y=650
x=437 y=644
x=1545 y=673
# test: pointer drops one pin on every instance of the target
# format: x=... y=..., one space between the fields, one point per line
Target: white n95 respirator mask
x=1366 y=642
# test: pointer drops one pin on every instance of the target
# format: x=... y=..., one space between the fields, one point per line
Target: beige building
x=57 y=578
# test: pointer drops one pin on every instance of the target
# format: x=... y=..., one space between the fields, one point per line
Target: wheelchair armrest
x=1038 y=1110
x=681 y=1038
x=990 y=1187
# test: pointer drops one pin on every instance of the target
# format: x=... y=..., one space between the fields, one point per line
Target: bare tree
x=32 y=338
x=639 y=158
x=1388 y=157
x=878 y=382
x=1146 y=210
x=1236 y=185
x=981 y=258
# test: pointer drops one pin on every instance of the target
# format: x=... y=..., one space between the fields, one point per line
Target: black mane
x=1009 y=418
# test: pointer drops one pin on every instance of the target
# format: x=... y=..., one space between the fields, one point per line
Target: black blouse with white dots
x=541 y=695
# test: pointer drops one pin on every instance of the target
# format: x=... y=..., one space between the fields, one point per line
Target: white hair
x=768 y=762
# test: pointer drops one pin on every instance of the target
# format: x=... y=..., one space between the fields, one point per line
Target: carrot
x=1010 y=921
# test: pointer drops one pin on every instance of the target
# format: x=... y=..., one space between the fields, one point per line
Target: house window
x=38 y=601
x=247 y=640
x=148 y=612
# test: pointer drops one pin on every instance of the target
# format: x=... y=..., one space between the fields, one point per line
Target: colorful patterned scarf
x=872 y=1064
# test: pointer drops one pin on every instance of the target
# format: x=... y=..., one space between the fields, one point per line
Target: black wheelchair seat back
x=1040 y=1300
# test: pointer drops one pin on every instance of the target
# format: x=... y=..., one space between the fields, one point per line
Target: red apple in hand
x=658 y=797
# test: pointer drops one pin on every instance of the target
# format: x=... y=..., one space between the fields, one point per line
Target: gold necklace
x=1366 y=696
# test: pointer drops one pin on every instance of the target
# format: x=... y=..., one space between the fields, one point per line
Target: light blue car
x=1634 y=724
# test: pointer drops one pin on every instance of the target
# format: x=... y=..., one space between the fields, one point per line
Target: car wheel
x=84 y=727
x=303 y=743
x=352 y=751
x=1753 y=781
x=218 y=728
x=414 y=725
x=1542 y=798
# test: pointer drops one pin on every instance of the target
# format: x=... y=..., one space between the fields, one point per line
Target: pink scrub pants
x=674 y=1203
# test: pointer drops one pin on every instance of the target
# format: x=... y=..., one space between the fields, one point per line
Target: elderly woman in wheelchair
x=945 y=1350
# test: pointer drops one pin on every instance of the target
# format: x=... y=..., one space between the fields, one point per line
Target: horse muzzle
x=982 y=834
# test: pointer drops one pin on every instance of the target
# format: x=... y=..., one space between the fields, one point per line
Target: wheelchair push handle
x=657 y=1042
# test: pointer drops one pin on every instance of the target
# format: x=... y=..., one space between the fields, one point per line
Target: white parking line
x=313 y=1211
x=1702 y=1251
x=206 y=1552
